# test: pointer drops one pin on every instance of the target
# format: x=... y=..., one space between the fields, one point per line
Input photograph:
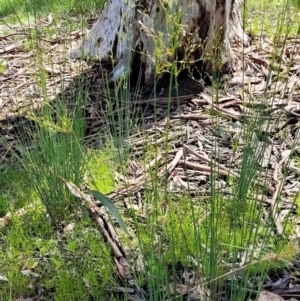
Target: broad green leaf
x=110 y=206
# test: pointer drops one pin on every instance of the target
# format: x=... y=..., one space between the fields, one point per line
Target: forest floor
x=175 y=139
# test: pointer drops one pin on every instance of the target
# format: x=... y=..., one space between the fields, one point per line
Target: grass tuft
x=223 y=238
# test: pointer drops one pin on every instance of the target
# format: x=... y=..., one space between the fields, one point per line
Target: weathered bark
x=156 y=32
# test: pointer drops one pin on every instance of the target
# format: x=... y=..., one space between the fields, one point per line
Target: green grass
x=69 y=264
x=270 y=16
x=206 y=234
x=44 y=7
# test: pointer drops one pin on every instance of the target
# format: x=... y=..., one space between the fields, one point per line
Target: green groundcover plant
x=209 y=235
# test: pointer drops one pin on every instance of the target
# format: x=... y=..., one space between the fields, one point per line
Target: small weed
x=28 y=46
x=3 y=67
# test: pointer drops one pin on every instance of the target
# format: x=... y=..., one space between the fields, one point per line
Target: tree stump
x=153 y=34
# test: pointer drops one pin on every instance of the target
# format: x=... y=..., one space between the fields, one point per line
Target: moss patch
x=71 y=265
x=100 y=168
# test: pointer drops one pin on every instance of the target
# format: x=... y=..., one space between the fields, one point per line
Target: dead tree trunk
x=157 y=32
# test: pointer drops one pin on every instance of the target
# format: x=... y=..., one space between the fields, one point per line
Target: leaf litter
x=195 y=132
